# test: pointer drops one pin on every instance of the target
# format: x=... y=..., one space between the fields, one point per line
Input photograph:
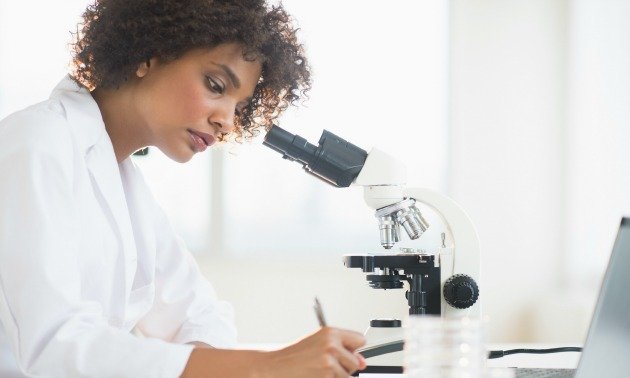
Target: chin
x=182 y=158
x=179 y=156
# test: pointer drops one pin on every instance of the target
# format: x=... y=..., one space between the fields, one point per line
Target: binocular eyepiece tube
x=334 y=160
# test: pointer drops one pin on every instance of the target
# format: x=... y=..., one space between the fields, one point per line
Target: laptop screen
x=607 y=349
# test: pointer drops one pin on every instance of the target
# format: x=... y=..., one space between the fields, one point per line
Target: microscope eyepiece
x=292 y=147
x=334 y=160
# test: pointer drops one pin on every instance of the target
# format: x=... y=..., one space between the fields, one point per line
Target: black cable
x=500 y=353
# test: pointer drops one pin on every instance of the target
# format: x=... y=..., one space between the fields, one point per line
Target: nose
x=223 y=117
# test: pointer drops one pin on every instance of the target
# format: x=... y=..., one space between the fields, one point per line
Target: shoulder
x=40 y=129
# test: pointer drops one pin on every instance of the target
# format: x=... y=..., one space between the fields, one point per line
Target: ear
x=143 y=68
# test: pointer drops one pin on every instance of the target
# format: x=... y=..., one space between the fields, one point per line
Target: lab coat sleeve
x=53 y=331
x=186 y=308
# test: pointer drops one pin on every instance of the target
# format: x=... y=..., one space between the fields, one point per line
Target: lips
x=201 y=140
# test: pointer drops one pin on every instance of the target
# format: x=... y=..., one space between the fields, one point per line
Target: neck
x=121 y=121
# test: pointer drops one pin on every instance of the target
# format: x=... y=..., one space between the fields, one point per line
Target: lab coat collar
x=82 y=112
x=86 y=122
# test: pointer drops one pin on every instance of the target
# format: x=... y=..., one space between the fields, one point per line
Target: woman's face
x=185 y=105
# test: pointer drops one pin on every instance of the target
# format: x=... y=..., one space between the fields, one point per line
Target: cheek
x=190 y=102
x=178 y=104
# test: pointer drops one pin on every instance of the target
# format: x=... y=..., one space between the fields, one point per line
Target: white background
x=517 y=109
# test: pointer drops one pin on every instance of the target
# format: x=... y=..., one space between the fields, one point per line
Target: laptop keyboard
x=545 y=373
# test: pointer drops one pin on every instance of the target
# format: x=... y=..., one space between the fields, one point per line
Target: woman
x=93 y=280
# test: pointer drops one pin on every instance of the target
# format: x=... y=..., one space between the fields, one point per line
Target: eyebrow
x=230 y=74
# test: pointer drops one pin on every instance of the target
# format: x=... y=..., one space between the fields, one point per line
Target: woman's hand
x=330 y=352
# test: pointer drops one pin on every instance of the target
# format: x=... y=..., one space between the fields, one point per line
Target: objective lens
x=403 y=213
x=390 y=231
x=412 y=221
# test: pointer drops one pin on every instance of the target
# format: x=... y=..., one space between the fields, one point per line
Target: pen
x=319 y=313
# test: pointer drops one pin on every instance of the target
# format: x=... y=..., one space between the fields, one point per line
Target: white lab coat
x=86 y=254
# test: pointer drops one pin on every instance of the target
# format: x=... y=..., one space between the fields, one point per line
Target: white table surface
x=8 y=368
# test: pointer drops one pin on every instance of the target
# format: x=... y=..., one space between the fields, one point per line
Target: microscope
x=441 y=282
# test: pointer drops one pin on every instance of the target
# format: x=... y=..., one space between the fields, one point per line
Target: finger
x=348 y=360
x=362 y=361
x=351 y=340
x=339 y=371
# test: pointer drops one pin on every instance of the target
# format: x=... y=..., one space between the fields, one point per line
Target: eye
x=215 y=85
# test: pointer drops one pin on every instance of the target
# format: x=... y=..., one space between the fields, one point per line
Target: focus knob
x=460 y=291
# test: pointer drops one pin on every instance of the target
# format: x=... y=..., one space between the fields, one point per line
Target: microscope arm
x=464 y=254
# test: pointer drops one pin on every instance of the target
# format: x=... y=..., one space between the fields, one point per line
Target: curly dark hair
x=118 y=35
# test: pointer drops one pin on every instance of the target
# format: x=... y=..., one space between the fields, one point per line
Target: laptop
x=606 y=352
